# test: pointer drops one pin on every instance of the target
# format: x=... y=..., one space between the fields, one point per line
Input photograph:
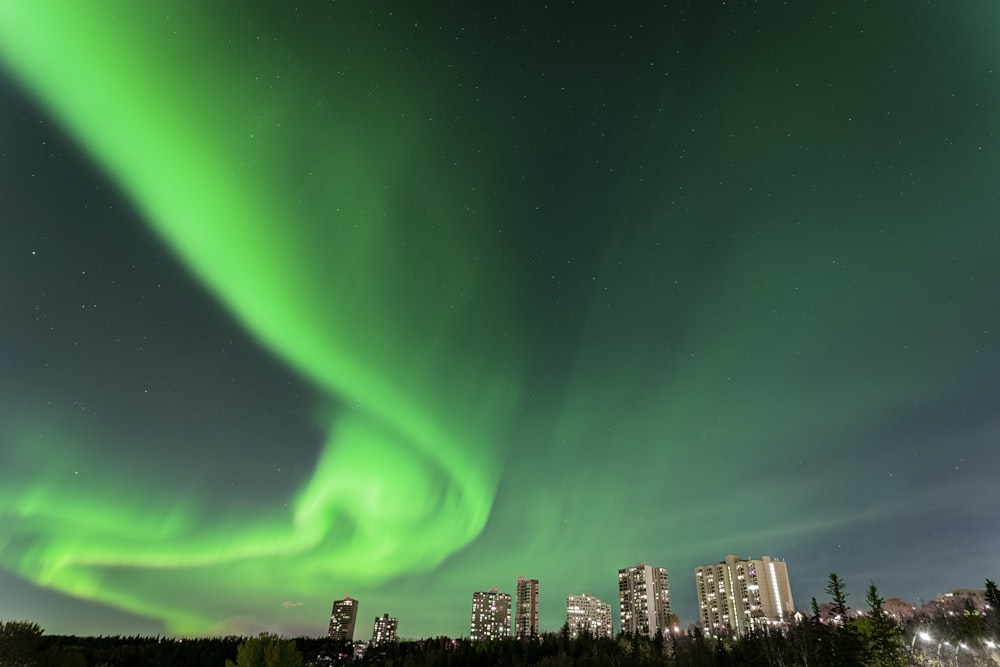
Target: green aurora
x=220 y=193
x=567 y=290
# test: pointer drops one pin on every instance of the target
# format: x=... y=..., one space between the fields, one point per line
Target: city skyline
x=404 y=300
x=736 y=595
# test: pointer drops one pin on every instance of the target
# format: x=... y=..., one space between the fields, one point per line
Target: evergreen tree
x=806 y=638
x=19 y=643
x=884 y=647
x=266 y=650
x=992 y=595
x=992 y=620
x=845 y=645
x=835 y=589
x=970 y=625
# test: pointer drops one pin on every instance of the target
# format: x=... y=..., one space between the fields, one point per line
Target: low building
x=586 y=613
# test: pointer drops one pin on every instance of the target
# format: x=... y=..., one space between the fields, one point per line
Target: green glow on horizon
x=319 y=276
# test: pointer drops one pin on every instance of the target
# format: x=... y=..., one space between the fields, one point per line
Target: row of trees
x=833 y=635
x=23 y=644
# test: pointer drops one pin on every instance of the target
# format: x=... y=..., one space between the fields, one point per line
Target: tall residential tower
x=736 y=595
x=644 y=599
x=384 y=630
x=490 y=615
x=526 y=612
x=342 y=618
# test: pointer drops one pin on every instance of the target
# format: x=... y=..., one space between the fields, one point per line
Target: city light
x=924 y=637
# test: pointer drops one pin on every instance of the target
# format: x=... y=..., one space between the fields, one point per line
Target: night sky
x=406 y=300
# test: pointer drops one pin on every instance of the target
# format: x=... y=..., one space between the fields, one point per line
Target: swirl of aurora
x=298 y=216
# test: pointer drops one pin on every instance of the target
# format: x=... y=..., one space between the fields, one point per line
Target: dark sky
x=404 y=302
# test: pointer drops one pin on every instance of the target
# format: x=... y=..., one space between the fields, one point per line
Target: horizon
x=613 y=603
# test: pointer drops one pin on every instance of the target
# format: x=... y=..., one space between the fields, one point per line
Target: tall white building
x=526 y=612
x=644 y=599
x=736 y=595
x=585 y=613
x=490 y=615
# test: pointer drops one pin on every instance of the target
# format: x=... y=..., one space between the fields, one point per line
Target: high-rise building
x=342 y=618
x=585 y=613
x=490 y=615
x=526 y=612
x=644 y=599
x=384 y=631
x=736 y=595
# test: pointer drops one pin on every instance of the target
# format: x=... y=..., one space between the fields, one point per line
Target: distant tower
x=490 y=615
x=384 y=631
x=644 y=599
x=342 y=618
x=736 y=595
x=585 y=613
x=526 y=613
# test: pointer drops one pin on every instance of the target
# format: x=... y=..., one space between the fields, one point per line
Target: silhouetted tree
x=992 y=595
x=266 y=650
x=992 y=619
x=884 y=647
x=835 y=589
x=19 y=642
x=970 y=623
x=805 y=639
x=845 y=645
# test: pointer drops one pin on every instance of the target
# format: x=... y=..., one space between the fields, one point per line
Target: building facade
x=490 y=615
x=585 y=613
x=384 y=631
x=342 y=618
x=526 y=611
x=736 y=595
x=644 y=599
